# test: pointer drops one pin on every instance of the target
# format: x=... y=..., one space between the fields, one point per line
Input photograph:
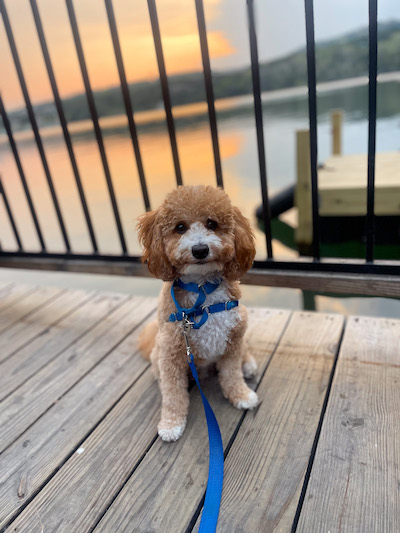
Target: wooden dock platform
x=79 y=409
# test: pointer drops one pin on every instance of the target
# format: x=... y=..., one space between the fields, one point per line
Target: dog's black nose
x=200 y=251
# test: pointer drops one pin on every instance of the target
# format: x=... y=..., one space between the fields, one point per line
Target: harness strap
x=212 y=500
x=198 y=308
x=204 y=310
x=208 y=287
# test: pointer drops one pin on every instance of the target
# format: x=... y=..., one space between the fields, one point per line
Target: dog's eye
x=180 y=228
x=211 y=224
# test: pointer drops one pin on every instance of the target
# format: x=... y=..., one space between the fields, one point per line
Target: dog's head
x=197 y=232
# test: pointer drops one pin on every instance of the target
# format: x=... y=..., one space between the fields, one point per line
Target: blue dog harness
x=198 y=309
x=212 y=500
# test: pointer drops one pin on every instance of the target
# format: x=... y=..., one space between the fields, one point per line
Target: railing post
x=155 y=27
x=312 y=113
x=10 y=216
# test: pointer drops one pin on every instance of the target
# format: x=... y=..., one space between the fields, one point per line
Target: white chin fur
x=201 y=269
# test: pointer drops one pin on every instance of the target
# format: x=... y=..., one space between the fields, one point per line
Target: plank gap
x=318 y=433
x=191 y=386
x=117 y=493
x=87 y=372
x=196 y=514
x=75 y=448
x=35 y=308
x=90 y=296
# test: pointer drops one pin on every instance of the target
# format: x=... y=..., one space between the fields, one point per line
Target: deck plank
x=12 y=293
x=110 y=455
x=79 y=439
x=266 y=466
x=79 y=492
x=36 y=395
x=45 y=446
x=172 y=471
x=26 y=329
x=55 y=338
x=354 y=483
x=343 y=185
x=29 y=303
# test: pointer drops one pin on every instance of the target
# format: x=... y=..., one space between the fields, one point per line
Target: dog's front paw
x=169 y=432
x=250 y=402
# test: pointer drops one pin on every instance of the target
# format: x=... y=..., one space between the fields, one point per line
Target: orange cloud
x=178 y=27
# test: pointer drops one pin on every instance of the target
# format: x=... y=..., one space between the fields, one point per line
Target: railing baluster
x=17 y=159
x=155 y=27
x=255 y=70
x=312 y=111
x=10 y=216
x=33 y=122
x=95 y=120
x=205 y=56
x=373 y=65
x=63 y=122
x=127 y=101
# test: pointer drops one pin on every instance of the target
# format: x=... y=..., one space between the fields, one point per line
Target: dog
x=197 y=239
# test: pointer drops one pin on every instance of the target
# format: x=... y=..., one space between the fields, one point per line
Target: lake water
x=284 y=114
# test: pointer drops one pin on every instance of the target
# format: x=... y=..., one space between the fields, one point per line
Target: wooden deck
x=79 y=411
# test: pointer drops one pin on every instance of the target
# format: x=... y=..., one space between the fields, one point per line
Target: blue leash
x=212 y=502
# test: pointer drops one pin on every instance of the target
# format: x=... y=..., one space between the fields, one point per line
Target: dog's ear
x=245 y=248
x=150 y=237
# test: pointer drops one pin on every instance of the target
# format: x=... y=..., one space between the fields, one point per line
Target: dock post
x=337 y=120
x=304 y=230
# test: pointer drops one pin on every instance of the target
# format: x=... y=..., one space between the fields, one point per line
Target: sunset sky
x=280 y=30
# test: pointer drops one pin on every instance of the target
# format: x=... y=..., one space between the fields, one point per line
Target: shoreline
x=153 y=117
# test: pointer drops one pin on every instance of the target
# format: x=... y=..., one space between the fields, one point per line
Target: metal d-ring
x=186 y=327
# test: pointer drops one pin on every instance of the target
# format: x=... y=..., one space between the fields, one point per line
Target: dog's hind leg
x=249 y=365
x=231 y=379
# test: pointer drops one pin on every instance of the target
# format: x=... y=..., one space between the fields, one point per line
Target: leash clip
x=186 y=327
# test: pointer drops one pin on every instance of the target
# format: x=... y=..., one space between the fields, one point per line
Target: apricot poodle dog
x=200 y=246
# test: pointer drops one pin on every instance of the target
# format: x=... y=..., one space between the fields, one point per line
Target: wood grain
x=12 y=292
x=167 y=487
x=80 y=491
x=343 y=185
x=337 y=121
x=374 y=285
x=29 y=303
x=44 y=447
x=303 y=202
x=54 y=340
x=26 y=329
x=265 y=468
x=365 y=284
x=354 y=483
x=19 y=410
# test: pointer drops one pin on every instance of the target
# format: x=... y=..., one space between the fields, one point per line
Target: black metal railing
x=270 y=271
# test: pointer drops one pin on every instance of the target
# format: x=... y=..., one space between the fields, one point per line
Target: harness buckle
x=187 y=325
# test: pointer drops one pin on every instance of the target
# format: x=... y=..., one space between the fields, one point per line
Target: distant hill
x=340 y=58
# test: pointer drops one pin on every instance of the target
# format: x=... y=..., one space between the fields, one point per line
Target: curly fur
x=169 y=255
